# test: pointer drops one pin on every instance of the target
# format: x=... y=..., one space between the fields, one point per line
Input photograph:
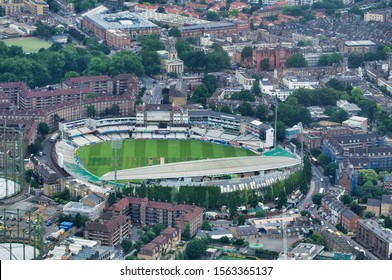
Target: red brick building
x=143 y=211
x=276 y=56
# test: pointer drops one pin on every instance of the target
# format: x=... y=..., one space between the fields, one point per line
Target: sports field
x=29 y=45
x=99 y=158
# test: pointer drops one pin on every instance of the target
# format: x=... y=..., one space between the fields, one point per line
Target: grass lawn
x=29 y=44
x=99 y=158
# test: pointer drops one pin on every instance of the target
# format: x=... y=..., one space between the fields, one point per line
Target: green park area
x=29 y=44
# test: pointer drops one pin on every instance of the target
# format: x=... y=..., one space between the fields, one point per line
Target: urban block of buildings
x=166 y=241
x=145 y=212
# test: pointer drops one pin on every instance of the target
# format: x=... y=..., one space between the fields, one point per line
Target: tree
x=261 y=214
x=187 y=232
x=212 y=16
x=239 y=242
x=330 y=171
x=206 y=225
x=43 y=128
x=339 y=116
x=111 y=199
x=369 y=215
x=32 y=149
x=216 y=60
x=261 y=112
x=356 y=95
x=282 y=199
x=224 y=239
x=245 y=109
x=234 y=13
x=354 y=206
x=308 y=173
x=346 y=199
x=226 y=109
x=241 y=220
x=246 y=52
x=335 y=84
x=175 y=32
x=317 y=238
x=158 y=228
x=195 y=249
x=161 y=10
x=145 y=239
x=265 y=64
x=355 y=60
x=91 y=111
x=296 y=61
x=29 y=175
x=316 y=198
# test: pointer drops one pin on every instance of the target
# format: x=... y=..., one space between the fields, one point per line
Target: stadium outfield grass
x=99 y=158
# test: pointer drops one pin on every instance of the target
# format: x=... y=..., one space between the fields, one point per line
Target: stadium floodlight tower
x=116 y=145
x=302 y=143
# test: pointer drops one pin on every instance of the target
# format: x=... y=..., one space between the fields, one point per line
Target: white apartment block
x=292 y=82
x=244 y=80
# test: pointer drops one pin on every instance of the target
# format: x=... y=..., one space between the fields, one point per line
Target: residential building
x=37 y=7
x=245 y=80
x=375 y=238
x=281 y=93
x=266 y=86
x=48 y=178
x=167 y=240
x=94 y=84
x=312 y=59
x=126 y=84
x=339 y=213
x=388 y=184
x=110 y=229
x=292 y=82
x=148 y=212
x=118 y=39
x=381 y=16
x=386 y=205
x=11 y=7
x=349 y=220
x=361 y=46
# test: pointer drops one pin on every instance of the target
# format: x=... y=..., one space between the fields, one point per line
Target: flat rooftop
x=359 y=43
x=206 y=167
x=122 y=20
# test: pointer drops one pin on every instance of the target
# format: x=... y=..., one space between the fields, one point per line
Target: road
x=318 y=181
x=152 y=86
